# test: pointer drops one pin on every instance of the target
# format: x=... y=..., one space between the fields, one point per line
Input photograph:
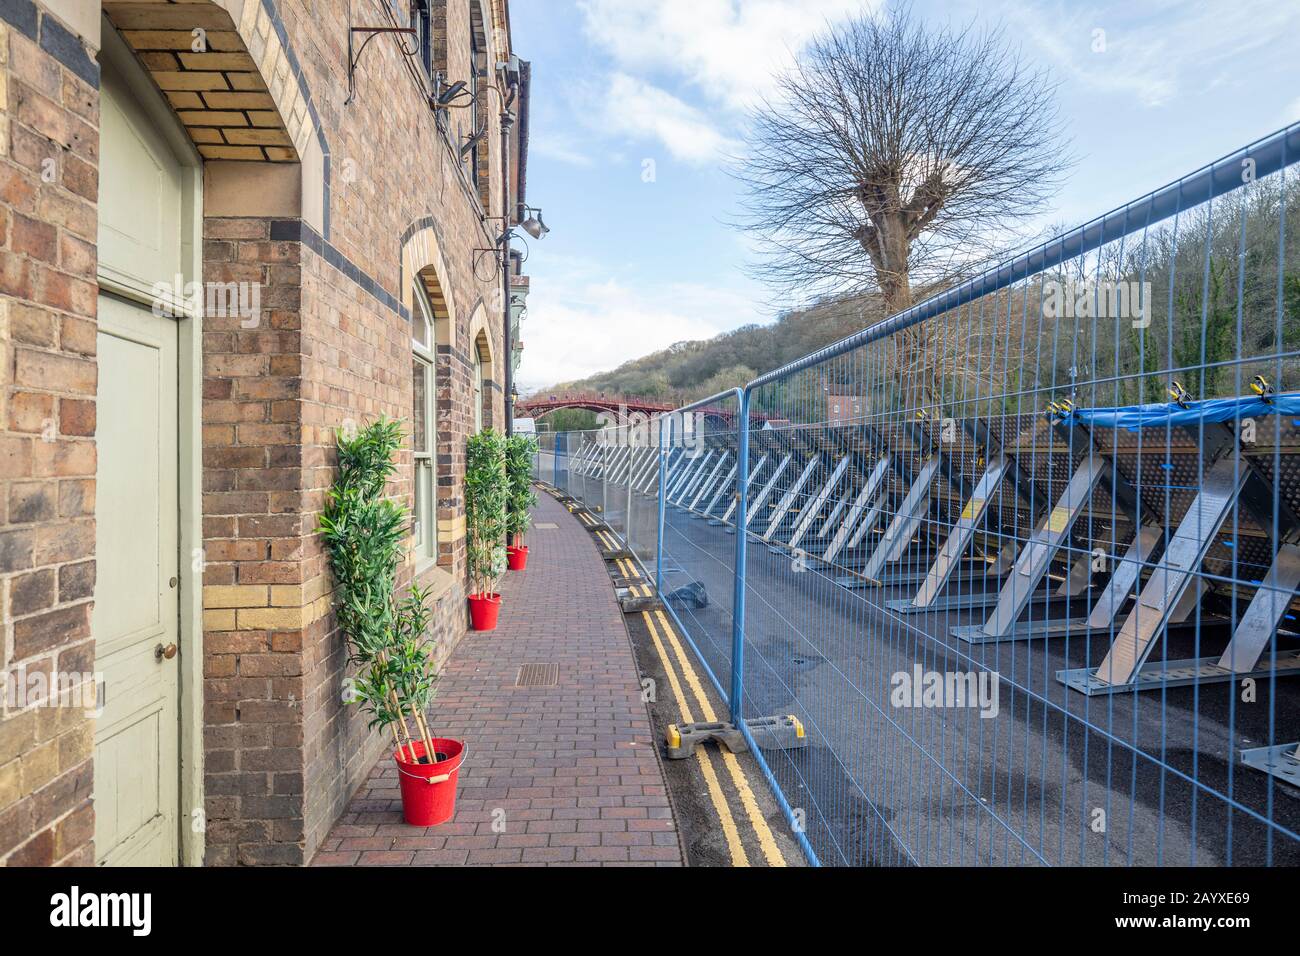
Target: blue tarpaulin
x=1210 y=411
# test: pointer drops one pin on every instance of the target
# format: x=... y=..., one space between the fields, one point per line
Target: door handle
x=162 y=653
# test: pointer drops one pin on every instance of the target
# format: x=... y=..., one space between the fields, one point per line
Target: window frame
x=474 y=54
x=422 y=21
x=424 y=461
x=480 y=386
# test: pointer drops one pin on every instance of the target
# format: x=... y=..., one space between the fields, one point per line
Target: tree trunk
x=889 y=249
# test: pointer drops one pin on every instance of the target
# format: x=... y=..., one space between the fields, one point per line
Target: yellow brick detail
x=17 y=734
x=271 y=619
x=10 y=783
x=159 y=39
x=261 y=137
x=240 y=62
x=287 y=595
x=218 y=620
x=40 y=766
x=77 y=747
x=212 y=118
x=190 y=81
x=241 y=595
x=240 y=101
x=231 y=152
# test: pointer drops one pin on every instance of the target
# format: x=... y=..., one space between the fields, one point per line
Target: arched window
x=478 y=391
x=424 y=425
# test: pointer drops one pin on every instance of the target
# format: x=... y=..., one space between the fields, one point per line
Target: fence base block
x=634 y=604
x=916 y=575
x=770 y=733
x=960 y=602
x=1205 y=670
x=1282 y=761
x=1074 y=628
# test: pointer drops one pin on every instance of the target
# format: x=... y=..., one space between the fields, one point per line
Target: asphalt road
x=1055 y=778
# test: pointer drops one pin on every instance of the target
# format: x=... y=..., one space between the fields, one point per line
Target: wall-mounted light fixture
x=534 y=225
x=445 y=99
x=354 y=51
x=471 y=141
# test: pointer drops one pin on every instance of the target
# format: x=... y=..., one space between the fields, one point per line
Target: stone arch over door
x=229 y=74
x=225 y=71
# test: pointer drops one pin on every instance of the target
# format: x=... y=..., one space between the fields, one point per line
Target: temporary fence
x=1023 y=559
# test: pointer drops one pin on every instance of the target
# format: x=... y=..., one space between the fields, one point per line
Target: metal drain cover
x=538 y=675
x=546 y=526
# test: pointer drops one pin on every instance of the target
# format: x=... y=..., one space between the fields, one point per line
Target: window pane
x=420 y=426
x=421 y=317
x=478 y=395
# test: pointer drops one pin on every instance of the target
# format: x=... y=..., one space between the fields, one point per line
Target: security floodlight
x=468 y=146
x=450 y=93
x=534 y=225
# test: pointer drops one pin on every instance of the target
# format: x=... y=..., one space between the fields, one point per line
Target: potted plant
x=521 y=498
x=366 y=533
x=485 y=526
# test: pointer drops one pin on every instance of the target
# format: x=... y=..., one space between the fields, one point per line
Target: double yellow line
x=660 y=631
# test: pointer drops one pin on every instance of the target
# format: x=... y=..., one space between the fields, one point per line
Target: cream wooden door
x=137 y=607
x=136 y=596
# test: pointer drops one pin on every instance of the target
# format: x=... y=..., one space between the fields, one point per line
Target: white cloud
x=559 y=149
x=728 y=48
x=642 y=111
x=577 y=327
x=1154 y=51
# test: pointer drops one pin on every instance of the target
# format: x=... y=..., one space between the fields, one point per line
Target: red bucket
x=517 y=558
x=429 y=790
x=484 y=610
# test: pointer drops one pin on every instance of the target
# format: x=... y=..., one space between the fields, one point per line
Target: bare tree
x=897 y=156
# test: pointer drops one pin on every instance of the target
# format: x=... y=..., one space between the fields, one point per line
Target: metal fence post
x=631 y=470
x=659 y=538
x=742 y=535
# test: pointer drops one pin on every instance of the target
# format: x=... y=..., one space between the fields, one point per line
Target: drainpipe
x=507 y=122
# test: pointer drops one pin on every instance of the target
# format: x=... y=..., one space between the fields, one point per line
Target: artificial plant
x=366 y=534
x=485 y=511
x=521 y=498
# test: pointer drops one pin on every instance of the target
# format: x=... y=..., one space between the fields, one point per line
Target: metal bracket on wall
x=354 y=51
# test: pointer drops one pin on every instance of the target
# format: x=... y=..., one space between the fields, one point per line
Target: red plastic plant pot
x=429 y=789
x=517 y=558
x=484 y=610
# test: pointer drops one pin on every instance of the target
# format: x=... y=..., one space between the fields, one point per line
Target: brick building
x=210 y=260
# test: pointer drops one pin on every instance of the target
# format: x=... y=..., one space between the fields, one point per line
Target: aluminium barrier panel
x=1023 y=559
x=613 y=474
x=694 y=561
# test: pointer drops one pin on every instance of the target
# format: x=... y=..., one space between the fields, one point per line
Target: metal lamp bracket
x=354 y=51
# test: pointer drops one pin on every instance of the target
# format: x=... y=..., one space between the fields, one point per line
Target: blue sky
x=634 y=103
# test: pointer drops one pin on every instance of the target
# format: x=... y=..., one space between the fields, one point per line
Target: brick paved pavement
x=564 y=775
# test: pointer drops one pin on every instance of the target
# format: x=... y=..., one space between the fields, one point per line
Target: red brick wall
x=49 y=140
x=284 y=753
x=281 y=752
x=254 y=529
